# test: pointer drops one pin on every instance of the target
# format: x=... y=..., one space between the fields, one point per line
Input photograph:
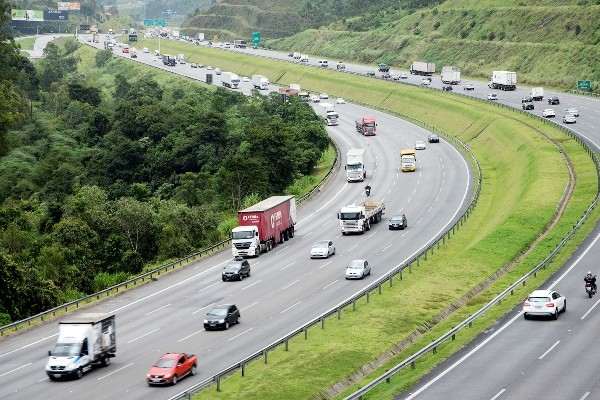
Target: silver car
x=322 y=249
x=358 y=269
x=573 y=111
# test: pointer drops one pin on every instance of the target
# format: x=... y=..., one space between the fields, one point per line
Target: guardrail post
x=453 y=335
x=391 y=281
x=387 y=380
x=379 y=288
x=412 y=365
x=286 y=345
x=444 y=239
x=339 y=313
x=305 y=333
x=367 y=297
x=322 y=323
x=265 y=352
x=400 y=273
x=244 y=369
x=360 y=396
x=218 y=379
x=425 y=256
x=353 y=305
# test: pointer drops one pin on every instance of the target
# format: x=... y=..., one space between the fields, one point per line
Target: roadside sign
x=584 y=85
x=154 y=22
x=256 y=38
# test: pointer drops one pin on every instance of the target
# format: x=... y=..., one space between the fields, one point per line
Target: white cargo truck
x=297 y=55
x=422 y=68
x=181 y=59
x=357 y=218
x=355 y=165
x=83 y=340
x=537 y=93
x=295 y=86
x=230 y=80
x=260 y=82
x=451 y=75
x=503 y=80
x=304 y=58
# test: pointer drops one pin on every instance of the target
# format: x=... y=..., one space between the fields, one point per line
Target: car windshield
x=66 y=349
x=396 y=219
x=243 y=235
x=539 y=299
x=232 y=267
x=218 y=312
x=357 y=264
x=165 y=363
x=320 y=245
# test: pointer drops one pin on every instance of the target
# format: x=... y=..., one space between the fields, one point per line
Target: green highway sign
x=154 y=22
x=256 y=38
x=584 y=85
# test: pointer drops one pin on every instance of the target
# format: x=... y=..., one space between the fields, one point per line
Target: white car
x=245 y=79
x=569 y=119
x=322 y=249
x=395 y=77
x=492 y=96
x=548 y=113
x=209 y=68
x=544 y=303
x=403 y=76
x=573 y=111
x=358 y=269
x=315 y=99
x=324 y=96
x=154 y=58
x=218 y=71
x=340 y=101
x=420 y=145
x=425 y=82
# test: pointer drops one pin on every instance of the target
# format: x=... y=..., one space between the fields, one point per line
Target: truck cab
x=408 y=160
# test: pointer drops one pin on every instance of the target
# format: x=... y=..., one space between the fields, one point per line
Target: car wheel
x=193 y=370
x=175 y=380
x=224 y=279
x=237 y=320
x=525 y=316
x=241 y=277
x=564 y=309
x=226 y=325
x=248 y=274
x=79 y=373
x=555 y=316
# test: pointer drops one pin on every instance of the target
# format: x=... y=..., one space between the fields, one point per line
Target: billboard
x=84 y=27
x=68 y=5
x=56 y=15
x=27 y=15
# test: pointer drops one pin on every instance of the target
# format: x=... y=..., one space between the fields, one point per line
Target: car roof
x=541 y=293
x=222 y=306
x=170 y=355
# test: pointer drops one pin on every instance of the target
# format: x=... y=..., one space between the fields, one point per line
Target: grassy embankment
x=524 y=178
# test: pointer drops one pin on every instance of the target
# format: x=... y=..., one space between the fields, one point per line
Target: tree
x=134 y=220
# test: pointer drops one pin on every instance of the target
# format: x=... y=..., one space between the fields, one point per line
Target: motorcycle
x=589 y=288
x=368 y=190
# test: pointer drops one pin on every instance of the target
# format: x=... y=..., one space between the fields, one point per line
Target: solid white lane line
x=158 y=309
x=144 y=335
x=498 y=394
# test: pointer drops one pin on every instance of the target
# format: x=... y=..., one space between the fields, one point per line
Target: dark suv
x=398 y=222
x=528 y=105
x=553 y=100
x=527 y=99
x=222 y=317
x=236 y=269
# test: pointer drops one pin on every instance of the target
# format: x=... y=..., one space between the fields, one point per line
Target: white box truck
x=83 y=340
x=331 y=116
x=537 y=93
x=230 y=80
x=503 y=80
x=451 y=75
x=260 y=82
x=304 y=58
x=422 y=68
x=355 y=165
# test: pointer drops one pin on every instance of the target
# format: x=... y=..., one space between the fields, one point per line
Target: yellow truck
x=408 y=160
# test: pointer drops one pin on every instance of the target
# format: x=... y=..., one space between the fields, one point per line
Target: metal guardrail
x=377 y=285
x=451 y=334
x=155 y=272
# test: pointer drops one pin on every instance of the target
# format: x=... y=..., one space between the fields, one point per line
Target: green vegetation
x=118 y=168
x=551 y=43
x=524 y=178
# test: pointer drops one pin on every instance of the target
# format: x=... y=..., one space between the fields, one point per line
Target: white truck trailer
x=450 y=75
x=422 y=68
x=230 y=80
x=260 y=82
x=357 y=218
x=537 y=93
x=355 y=165
x=82 y=341
x=503 y=80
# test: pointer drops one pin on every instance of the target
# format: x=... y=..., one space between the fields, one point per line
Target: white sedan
x=340 y=101
x=315 y=99
x=492 y=96
x=322 y=249
x=425 y=82
x=544 y=303
x=324 y=96
x=420 y=145
x=548 y=113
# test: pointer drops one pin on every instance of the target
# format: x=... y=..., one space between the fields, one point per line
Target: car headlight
x=222 y=321
x=206 y=321
x=167 y=376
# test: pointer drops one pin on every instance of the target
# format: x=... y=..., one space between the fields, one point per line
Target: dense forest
x=107 y=167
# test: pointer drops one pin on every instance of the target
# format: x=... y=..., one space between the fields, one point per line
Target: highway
x=286 y=287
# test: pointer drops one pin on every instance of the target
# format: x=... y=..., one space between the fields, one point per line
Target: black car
x=398 y=222
x=222 y=317
x=433 y=138
x=370 y=73
x=528 y=105
x=447 y=88
x=553 y=100
x=527 y=99
x=236 y=269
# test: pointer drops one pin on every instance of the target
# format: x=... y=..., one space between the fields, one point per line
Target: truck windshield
x=350 y=216
x=408 y=159
x=243 y=235
x=370 y=124
x=354 y=167
x=66 y=349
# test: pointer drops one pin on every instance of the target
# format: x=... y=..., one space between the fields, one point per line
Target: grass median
x=524 y=178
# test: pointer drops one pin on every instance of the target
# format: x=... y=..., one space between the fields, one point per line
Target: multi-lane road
x=286 y=288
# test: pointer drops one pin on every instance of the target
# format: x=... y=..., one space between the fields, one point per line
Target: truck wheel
x=291 y=232
x=79 y=373
x=269 y=245
x=285 y=235
x=106 y=361
x=193 y=370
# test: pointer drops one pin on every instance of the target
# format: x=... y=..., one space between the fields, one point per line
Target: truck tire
x=79 y=373
x=105 y=361
x=291 y=232
x=269 y=245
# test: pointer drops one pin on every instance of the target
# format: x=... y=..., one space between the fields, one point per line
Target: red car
x=171 y=367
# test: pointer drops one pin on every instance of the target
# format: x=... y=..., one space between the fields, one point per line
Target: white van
x=145 y=50
x=323 y=63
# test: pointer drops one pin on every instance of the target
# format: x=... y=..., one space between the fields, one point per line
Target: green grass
x=26 y=44
x=523 y=179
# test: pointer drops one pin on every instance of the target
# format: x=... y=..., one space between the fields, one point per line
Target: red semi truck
x=263 y=225
x=366 y=126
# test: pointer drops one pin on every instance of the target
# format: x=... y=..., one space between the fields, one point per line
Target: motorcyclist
x=589 y=278
x=368 y=190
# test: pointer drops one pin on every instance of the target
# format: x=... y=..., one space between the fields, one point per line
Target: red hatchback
x=171 y=367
